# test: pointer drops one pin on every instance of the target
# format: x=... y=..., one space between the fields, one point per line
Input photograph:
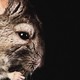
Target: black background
x=60 y=21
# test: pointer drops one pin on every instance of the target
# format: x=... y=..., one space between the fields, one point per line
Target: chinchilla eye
x=24 y=35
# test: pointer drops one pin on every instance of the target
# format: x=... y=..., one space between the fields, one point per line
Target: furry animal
x=21 y=44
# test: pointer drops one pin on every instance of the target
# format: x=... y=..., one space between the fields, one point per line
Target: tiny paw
x=16 y=76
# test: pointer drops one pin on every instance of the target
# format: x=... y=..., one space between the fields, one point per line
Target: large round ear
x=10 y=9
x=11 y=6
x=3 y=6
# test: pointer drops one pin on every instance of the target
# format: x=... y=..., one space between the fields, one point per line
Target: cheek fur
x=26 y=57
x=4 y=62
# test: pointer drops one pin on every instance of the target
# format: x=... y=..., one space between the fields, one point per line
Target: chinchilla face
x=21 y=44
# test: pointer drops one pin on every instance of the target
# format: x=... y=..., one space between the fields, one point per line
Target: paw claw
x=16 y=76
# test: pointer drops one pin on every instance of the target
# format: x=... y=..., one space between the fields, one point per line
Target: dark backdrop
x=60 y=21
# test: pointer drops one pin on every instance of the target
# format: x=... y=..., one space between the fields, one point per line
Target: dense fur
x=17 y=54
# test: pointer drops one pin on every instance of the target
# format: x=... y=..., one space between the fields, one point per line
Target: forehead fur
x=17 y=11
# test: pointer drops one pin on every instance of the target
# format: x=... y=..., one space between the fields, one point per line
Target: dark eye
x=23 y=35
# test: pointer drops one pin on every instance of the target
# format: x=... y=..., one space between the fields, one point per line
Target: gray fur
x=17 y=54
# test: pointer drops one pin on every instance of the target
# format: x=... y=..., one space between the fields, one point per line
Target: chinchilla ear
x=10 y=7
x=3 y=6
